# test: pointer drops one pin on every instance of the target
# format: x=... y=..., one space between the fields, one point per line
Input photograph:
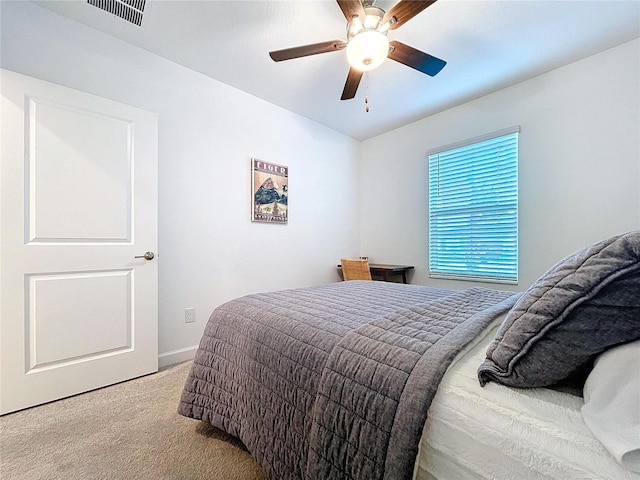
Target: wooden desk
x=385 y=272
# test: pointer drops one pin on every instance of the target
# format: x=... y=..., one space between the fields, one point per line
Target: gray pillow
x=583 y=305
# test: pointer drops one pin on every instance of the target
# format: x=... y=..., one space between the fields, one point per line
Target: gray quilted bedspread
x=333 y=381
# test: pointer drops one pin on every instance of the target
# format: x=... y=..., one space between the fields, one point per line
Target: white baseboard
x=176 y=356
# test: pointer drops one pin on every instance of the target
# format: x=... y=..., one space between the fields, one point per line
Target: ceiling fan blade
x=409 y=56
x=306 y=50
x=352 y=8
x=351 y=85
x=405 y=10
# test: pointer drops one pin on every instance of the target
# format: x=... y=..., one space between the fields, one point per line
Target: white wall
x=209 y=250
x=579 y=165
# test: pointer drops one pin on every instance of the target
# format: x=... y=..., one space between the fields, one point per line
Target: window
x=473 y=209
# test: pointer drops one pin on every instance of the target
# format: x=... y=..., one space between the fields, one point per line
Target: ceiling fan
x=367 y=44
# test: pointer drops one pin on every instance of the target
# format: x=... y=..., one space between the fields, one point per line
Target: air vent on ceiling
x=129 y=10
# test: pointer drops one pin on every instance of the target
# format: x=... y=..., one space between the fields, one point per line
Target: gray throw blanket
x=333 y=381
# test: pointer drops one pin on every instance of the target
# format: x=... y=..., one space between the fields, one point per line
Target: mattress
x=498 y=432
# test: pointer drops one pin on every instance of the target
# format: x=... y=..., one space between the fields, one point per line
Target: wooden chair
x=353 y=269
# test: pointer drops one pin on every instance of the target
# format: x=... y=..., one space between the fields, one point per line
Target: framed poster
x=270 y=192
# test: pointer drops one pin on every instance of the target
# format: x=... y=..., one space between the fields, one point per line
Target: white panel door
x=78 y=184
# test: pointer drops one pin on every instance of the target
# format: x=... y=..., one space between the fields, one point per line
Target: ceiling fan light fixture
x=367 y=50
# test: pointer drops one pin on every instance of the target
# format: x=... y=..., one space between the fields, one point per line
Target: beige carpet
x=126 y=431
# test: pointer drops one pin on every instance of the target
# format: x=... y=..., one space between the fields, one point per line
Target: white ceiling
x=488 y=45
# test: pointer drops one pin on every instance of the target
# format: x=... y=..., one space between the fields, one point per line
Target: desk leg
x=404 y=276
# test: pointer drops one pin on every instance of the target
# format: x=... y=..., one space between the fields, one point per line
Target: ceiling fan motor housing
x=372 y=21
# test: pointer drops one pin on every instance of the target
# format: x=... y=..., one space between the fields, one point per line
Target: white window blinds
x=473 y=209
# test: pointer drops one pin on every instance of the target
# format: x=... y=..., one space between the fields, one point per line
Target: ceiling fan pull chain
x=366 y=97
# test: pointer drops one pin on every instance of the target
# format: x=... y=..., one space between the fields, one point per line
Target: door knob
x=146 y=256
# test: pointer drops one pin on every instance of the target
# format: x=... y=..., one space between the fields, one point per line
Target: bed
x=375 y=380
